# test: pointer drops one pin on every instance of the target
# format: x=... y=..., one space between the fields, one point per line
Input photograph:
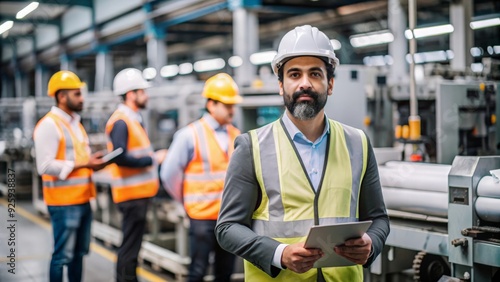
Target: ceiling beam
x=36 y=21
x=84 y=3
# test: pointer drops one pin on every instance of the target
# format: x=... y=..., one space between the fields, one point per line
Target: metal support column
x=18 y=77
x=5 y=87
x=462 y=38
x=245 y=43
x=66 y=63
x=18 y=82
x=155 y=46
x=399 y=47
x=156 y=54
x=39 y=91
x=103 y=70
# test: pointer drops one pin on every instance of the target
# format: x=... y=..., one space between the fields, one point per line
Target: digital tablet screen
x=108 y=157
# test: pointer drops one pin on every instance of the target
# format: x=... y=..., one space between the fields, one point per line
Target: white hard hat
x=304 y=41
x=127 y=80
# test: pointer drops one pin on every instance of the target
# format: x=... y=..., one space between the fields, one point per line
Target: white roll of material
x=416 y=201
x=426 y=177
x=488 y=209
x=488 y=187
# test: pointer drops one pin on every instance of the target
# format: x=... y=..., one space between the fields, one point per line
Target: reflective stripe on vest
x=290 y=205
x=78 y=187
x=205 y=173
x=132 y=183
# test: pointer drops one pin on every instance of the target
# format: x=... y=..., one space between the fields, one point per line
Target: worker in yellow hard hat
x=193 y=174
x=64 y=161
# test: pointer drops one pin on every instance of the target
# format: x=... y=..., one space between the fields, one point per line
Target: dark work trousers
x=133 y=227
x=202 y=241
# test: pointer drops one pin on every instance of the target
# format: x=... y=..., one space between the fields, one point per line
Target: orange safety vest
x=78 y=187
x=205 y=173
x=132 y=183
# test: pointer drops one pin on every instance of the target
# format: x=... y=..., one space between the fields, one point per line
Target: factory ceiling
x=194 y=29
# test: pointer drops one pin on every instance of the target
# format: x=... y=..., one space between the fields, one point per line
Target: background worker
x=301 y=170
x=193 y=174
x=64 y=161
x=135 y=171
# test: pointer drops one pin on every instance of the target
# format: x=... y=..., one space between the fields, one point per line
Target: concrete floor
x=33 y=243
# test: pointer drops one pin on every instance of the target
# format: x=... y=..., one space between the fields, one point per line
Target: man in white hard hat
x=301 y=170
x=135 y=172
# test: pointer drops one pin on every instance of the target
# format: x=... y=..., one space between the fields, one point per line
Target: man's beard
x=74 y=107
x=140 y=105
x=305 y=110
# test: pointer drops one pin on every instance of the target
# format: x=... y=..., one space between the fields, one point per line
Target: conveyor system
x=445 y=220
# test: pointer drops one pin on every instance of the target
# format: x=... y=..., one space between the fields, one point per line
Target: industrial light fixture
x=261 y=58
x=235 y=61
x=185 y=68
x=379 y=60
x=476 y=51
x=372 y=38
x=433 y=56
x=429 y=31
x=169 y=70
x=6 y=26
x=26 y=10
x=485 y=23
x=209 y=65
x=149 y=73
x=477 y=67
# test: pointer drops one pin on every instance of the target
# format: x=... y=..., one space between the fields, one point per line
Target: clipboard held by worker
x=326 y=237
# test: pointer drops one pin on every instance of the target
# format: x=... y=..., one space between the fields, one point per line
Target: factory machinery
x=416 y=194
x=445 y=220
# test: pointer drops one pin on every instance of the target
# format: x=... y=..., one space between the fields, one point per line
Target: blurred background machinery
x=438 y=187
x=445 y=220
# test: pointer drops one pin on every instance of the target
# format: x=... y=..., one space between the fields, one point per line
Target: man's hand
x=95 y=162
x=298 y=259
x=160 y=155
x=356 y=250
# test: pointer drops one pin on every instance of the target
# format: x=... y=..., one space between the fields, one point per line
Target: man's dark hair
x=329 y=71
x=209 y=99
x=56 y=95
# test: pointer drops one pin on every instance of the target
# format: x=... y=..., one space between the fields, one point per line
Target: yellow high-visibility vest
x=296 y=205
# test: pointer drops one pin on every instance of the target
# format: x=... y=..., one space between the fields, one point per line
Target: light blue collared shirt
x=181 y=152
x=312 y=154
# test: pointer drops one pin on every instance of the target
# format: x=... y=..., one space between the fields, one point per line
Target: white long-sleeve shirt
x=47 y=139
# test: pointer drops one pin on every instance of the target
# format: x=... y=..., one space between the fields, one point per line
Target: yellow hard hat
x=63 y=80
x=221 y=87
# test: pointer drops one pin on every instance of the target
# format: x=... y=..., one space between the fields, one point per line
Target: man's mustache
x=307 y=92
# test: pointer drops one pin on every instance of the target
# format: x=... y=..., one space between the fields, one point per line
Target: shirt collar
x=296 y=133
x=129 y=112
x=213 y=123
x=74 y=117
